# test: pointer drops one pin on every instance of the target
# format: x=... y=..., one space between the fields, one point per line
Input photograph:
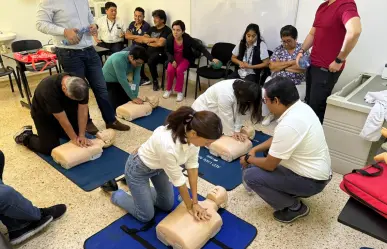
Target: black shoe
x=17 y=237
x=286 y=215
x=156 y=85
x=110 y=186
x=145 y=81
x=91 y=128
x=55 y=211
x=22 y=134
x=116 y=125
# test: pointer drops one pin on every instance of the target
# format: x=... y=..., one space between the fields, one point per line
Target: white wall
x=370 y=54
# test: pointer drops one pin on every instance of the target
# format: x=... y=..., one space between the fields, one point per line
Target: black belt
x=76 y=49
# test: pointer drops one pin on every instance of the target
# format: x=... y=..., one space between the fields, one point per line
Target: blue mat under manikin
x=93 y=174
x=219 y=172
x=156 y=119
x=235 y=233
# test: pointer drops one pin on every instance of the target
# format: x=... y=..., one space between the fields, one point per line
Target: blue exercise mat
x=219 y=172
x=235 y=233
x=156 y=119
x=93 y=174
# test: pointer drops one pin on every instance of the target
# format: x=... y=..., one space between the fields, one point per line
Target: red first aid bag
x=39 y=56
x=369 y=186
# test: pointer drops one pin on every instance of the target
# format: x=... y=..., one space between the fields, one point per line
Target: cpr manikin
x=131 y=111
x=229 y=148
x=180 y=229
x=69 y=155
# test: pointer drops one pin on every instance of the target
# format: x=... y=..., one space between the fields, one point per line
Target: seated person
x=298 y=163
x=180 y=56
x=283 y=63
x=136 y=29
x=110 y=29
x=59 y=109
x=234 y=101
x=160 y=158
x=22 y=219
x=156 y=38
x=250 y=55
x=116 y=70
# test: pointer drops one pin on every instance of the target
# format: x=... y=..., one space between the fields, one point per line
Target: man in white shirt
x=110 y=29
x=298 y=163
x=64 y=19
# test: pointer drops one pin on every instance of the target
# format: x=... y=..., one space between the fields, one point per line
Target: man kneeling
x=59 y=109
x=298 y=163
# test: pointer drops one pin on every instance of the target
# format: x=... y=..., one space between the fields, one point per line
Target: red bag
x=369 y=186
x=39 y=56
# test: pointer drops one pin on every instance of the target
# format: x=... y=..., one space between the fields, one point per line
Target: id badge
x=110 y=38
x=133 y=87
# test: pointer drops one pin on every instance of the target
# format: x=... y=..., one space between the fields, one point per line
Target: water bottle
x=304 y=62
x=80 y=34
x=384 y=74
x=179 y=198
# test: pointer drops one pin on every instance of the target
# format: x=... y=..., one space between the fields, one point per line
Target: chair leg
x=196 y=85
x=163 y=78
x=10 y=81
x=57 y=69
x=28 y=85
x=50 y=71
x=18 y=84
x=186 y=83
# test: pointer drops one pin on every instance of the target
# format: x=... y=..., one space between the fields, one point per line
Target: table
x=100 y=50
x=364 y=219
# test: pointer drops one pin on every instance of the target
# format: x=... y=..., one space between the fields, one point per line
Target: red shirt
x=330 y=31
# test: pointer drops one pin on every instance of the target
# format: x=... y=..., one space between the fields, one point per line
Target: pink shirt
x=178 y=51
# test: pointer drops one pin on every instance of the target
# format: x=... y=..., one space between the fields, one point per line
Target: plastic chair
x=4 y=71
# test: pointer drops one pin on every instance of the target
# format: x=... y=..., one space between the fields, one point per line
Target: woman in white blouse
x=234 y=101
x=160 y=158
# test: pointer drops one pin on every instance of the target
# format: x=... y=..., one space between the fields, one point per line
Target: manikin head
x=75 y=88
x=218 y=195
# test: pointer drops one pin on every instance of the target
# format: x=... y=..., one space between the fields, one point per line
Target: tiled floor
x=90 y=212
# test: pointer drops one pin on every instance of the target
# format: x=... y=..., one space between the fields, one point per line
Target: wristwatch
x=338 y=61
x=247 y=158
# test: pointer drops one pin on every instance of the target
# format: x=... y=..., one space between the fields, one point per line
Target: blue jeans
x=16 y=212
x=281 y=187
x=143 y=198
x=86 y=63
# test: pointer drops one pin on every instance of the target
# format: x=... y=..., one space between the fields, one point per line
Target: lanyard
x=107 y=23
x=251 y=54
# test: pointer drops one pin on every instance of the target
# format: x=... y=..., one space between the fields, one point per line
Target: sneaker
x=166 y=94
x=22 y=134
x=19 y=236
x=145 y=82
x=286 y=215
x=56 y=211
x=110 y=186
x=180 y=97
x=267 y=120
x=116 y=125
x=156 y=85
x=91 y=128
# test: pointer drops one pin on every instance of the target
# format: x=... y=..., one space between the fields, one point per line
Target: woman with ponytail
x=160 y=158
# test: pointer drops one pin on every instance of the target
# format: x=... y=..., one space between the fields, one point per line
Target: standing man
x=110 y=29
x=156 y=38
x=335 y=32
x=63 y=19
x=136 y=29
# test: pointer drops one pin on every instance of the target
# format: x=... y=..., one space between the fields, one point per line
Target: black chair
x=24 y=45
x=9 y=71
x=221 y=51
x=265 y=72
x=197 y=55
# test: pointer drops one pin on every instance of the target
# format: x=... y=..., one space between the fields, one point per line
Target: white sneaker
x=267 y=120
x=166 y=94
x=180 y=97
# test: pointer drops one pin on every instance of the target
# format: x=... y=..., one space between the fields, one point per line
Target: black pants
x=49 y=132
x=319 y=85
x=250 y=77
x=153 y=60
x=117 y=94
x=113 y=47
x=142 y=73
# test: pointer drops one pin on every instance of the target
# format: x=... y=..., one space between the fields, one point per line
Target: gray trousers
x=281 y=187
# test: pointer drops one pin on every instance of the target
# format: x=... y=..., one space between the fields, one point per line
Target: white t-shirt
x=221 y=100
x=299 y=141
x=160 y=152
x=248 y=57
x=108 y=31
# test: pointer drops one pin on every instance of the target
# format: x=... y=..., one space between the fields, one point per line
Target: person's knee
x=145 y=215
x=170 y=70
x=180 y=70
x=252 y=177
x=167 y=203
x=47 y=148
x=6 y=194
